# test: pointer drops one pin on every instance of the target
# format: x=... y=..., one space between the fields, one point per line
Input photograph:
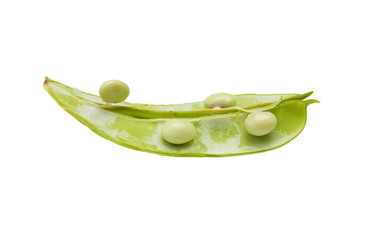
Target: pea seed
x=178 y=131
x=114 y=91
x=260 y=123
x=220 y=100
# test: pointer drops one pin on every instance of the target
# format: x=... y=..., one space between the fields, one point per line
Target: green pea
x=114 y=91
x=220 y=100
x=260 y=123
x=178 y=131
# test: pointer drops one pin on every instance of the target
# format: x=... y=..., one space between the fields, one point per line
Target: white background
x=59 y=180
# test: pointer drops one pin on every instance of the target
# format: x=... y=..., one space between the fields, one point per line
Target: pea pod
x=185 y=110
x=217 y=135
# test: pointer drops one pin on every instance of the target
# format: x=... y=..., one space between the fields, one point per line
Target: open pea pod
x=217 y=135
x=185 y=110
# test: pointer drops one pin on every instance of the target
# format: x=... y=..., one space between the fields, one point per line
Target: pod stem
x=107 y=105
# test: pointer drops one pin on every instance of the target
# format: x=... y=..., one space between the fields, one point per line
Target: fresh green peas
x=114 y=91
x=178 y=131
x=260 y=123
x=220 y=100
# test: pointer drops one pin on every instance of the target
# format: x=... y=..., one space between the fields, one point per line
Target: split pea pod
x=217 y=135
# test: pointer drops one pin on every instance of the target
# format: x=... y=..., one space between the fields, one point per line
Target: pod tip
x=310 y=101
x=46 y=80
x=308 y=94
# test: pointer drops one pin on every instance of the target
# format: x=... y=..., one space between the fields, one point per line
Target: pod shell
x=217 y=136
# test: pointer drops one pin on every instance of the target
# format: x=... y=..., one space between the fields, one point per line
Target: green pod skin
x=217 y=136
x=185 y=110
